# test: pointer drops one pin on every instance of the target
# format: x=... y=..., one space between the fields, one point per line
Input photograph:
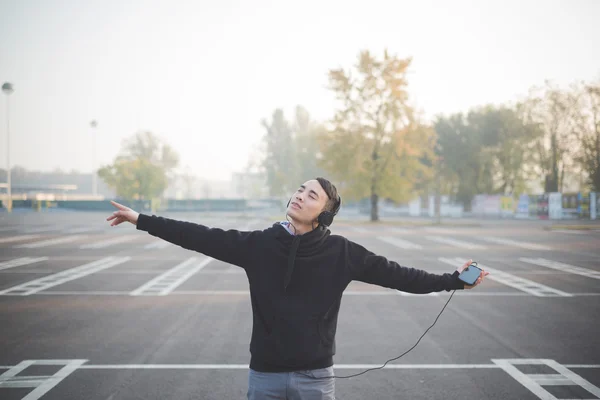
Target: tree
x=587 y=131
x=143 y=168
x=507 y=142
x=374 y=144
x=279 y=162
x=306 y=146
x=488 y=151
x=291 y=151
x=552 y=110
x=459 y=148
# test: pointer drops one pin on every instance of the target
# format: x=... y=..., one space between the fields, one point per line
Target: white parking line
x=400 y=230
x=165 y=283
x=17 y=262
x=18 y=238
x=13 y=378
x=590 y=273
x=535 y=382
x=109 y=242
x=359 y=229
x=158 y=244
x=516 y=243
x=454 y=242
x=336 y=366
x=346 y=293
x=80 y=229
x=50 y=242
x=403 y=244
x=525 y=285
x=573 y=232
x=37 y=285
x=444 y=231
x=42 y=229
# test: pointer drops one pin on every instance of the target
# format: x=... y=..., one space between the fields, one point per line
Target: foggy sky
x=203 y=74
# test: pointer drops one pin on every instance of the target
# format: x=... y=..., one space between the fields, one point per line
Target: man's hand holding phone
x=471 y=274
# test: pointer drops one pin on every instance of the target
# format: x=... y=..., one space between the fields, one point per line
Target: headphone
x=326 y=217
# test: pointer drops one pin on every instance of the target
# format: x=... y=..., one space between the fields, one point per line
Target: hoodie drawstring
x=291 y=261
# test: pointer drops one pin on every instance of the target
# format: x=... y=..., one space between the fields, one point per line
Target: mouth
x=296 y=205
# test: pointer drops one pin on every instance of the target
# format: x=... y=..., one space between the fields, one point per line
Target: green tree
x=142 y=169
x=459 y=151
x=375 y=145
x=488 y=151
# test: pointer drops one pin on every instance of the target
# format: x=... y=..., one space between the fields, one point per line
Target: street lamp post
x=94 y=124
x=7 y=88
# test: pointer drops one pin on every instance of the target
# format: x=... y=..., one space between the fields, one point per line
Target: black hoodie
x=296 y=284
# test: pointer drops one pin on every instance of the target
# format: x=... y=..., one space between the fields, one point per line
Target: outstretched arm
x=231 y=246
x=378 y=270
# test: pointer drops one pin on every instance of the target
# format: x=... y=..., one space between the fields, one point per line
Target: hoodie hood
x=305 y=245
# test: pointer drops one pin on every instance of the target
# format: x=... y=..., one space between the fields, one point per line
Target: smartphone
x=470 y=274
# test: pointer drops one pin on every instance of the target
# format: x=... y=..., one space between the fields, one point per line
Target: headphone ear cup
x=325 y=218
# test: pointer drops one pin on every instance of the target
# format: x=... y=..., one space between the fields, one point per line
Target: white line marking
x=399 y=230
x=246 y=293
x=158 y=244
x=37 y=285
x=8 y=228
x=18 y=238
x=336 y=366
x=510 y=242
x=41 y=384
x=50 y=242
x=403 y=244
x=80 y=229
x=534 y=382
x=574 y=232
x=359 y=229
x=522 y=378
x=525 y=285
x=165 y=283
x=444 y=231
x=109 y=242
x=237 y=271
x=17 y=262
x=42 y=229
x=578 y=380
x=454 y=242
x=590 y=273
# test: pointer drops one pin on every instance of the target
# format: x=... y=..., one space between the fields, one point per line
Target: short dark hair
x=331 y=192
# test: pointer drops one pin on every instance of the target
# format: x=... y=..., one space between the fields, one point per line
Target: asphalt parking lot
x=93 y=312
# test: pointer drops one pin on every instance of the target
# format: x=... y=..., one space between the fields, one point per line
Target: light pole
x=94 y=124
x=7 y=88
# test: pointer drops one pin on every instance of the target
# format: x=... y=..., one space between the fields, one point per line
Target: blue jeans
x=291 y=385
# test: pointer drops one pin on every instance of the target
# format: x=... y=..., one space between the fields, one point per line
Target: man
x=297 y=273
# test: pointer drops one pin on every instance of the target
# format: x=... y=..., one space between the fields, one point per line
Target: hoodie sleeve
x=370 y=268
x=231 y=246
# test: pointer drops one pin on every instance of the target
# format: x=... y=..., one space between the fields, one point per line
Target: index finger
x=119 y=206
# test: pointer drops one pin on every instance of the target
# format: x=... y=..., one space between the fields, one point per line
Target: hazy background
x=202 y=75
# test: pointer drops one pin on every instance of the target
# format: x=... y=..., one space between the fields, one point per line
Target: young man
x=297 y=273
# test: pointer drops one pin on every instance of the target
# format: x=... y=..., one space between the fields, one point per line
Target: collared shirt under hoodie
x=296 y=284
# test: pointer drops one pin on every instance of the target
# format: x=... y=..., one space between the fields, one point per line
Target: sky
x=203 y=74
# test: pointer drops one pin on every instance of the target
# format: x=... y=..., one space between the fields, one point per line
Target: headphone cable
x=391 y=359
